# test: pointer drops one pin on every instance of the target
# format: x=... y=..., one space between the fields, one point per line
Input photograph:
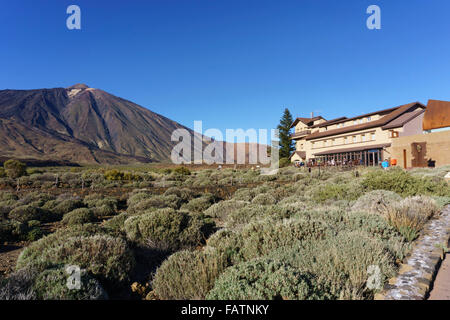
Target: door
x=404 y=158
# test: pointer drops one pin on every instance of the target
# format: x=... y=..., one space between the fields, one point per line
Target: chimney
x=312 y=115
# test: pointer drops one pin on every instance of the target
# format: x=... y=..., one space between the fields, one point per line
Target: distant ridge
x=81 y=124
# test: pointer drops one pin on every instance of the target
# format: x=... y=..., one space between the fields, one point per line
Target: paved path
x=441 y=286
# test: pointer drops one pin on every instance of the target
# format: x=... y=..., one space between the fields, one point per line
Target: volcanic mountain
x=81 y=124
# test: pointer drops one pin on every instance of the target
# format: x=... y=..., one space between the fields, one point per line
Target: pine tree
x=286 y=144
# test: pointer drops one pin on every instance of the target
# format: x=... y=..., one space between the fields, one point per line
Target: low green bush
x=26 y=213
x=376 y=201
x=335 y=192
x=172 y=282
x=51 y=284
x=404 y=183
x=410 y=215
x=15 y=169
x=182 y=171
x=11 y=230
x=154 y=202
x=167 y=229
x=342 y=262
x=264 y=199
x=59 y=209
x=184 y=194
x=117 y=223
x=262 y=237
x=265 y=279
x=78 y=216
x=108 y=258
x=222 y=209
x=200 y=204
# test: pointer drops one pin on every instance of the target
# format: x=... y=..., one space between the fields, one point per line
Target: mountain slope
x=81 y=124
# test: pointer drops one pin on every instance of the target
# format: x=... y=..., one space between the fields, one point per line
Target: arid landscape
x=149 y=232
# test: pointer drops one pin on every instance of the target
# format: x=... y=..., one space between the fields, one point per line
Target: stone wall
x=417 y=273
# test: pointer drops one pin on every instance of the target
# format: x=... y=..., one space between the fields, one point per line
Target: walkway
x=441 y=286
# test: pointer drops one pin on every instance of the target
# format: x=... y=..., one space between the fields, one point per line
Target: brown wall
x=435 y=146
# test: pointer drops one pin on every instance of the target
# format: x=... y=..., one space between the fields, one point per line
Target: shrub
x=341 y=262
x=26 y=213
x=262 y=237
x=117 y=223
x=198 y=205
x=11 y=230
x=167 y=229
x=7 y=196
x=114 y=175
x=137 y=197
x=237 y=219
x=107 y=258
x=51 y=284
x=36 y=199
x=264 y=199
x=2 y=173
x=442 y=201
x=78 y=216
x=404 y=183
x=184 y=194
x=15 y=169
x=172 y=282
x=244 y=194
x=35 y=234
x=18 y=286
x=222 y=209
x=64 y=207
x=155 y=202
x=335 y=192
x=264 y=279
x=410 y=215
x=284 y=162
x=376 y=201
x=182 y=171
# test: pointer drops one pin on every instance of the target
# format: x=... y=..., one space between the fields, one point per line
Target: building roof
x=392 y=114
x=329 y=122
x=306 y=121
x=301 y=154
x=437 y=115
x=355 y=149
x=403 y=119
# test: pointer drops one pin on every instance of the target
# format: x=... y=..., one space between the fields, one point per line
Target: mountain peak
x=79 y=86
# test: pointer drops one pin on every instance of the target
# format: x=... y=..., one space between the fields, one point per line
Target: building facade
x=430 y=148
x=366 y=139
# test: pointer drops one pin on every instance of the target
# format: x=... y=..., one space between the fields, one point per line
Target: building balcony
x=300 y=134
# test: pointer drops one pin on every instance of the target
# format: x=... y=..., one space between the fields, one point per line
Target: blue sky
x=233 y=63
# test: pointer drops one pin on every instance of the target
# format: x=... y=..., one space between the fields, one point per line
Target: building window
x=368 y=119
x=354 y=139
x=363 y=137
x=373 y=136
x=332 y=142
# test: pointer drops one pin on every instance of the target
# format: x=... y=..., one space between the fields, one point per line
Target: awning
x=344 y=150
